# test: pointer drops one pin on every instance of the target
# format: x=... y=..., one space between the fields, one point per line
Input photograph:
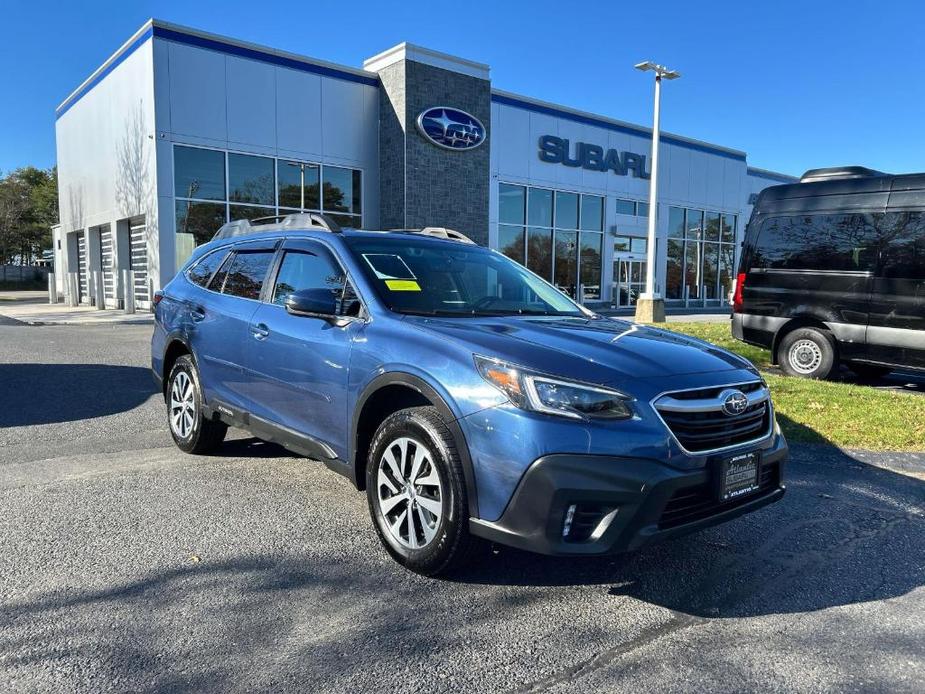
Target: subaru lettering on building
x=451 y=128
x=557 y=150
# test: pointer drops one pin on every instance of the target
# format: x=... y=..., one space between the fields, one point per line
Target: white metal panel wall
x=83 y=293
x=138 y=242
x=106 y=264
x=249 y=105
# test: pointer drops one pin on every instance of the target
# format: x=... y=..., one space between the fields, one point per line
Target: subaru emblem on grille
x=735 y=402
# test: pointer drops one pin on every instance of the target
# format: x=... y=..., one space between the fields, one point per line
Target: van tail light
x=737 y=296
x=157 y=297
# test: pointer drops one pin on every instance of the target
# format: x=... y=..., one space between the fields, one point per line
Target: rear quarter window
x=203 y=271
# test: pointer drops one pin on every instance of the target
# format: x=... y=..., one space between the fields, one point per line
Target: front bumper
x=622 y=503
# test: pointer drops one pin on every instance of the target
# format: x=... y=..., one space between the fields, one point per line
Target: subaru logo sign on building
x=451 y=128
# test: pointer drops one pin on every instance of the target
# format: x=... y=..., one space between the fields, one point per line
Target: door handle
x=198 y=314
x=260 y=331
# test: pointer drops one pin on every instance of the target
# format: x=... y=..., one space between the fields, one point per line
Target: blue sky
x=794 y=84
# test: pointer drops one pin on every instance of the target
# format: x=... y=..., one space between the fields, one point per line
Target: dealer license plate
x=738 y=476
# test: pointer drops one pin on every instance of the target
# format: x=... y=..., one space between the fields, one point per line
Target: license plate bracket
x=738 y=476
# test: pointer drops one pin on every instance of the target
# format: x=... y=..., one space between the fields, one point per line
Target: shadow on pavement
x=844 y=533
x=49 y=393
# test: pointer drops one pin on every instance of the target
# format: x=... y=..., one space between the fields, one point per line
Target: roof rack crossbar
x=440 y=233
x=304 y=220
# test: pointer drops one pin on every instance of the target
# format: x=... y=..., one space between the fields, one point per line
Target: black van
x=833 y=270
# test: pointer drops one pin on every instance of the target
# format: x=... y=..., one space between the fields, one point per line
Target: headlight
x=532 y=391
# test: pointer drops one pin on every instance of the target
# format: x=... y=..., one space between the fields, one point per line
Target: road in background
x=127 y=565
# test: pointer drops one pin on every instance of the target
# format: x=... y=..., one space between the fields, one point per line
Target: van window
x=903 y=243
x=846 y=242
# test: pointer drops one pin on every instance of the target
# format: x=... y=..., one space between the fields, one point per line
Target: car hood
x=596 y=350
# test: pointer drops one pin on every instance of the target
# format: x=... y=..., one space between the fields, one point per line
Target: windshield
x=434 y=278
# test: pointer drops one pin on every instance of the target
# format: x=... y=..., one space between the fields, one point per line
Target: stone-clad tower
x=420 y=183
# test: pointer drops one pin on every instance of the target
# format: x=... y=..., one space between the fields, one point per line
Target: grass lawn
x=844 y=414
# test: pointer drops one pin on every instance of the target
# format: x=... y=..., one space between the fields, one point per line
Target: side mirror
x=316 y=303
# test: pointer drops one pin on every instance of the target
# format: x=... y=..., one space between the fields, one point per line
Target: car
x=832 y=271
x=469 y=398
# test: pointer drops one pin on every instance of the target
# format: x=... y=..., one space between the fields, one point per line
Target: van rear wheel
x=808 y=353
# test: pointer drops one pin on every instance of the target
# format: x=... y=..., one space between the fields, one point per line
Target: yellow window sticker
x=403 y=285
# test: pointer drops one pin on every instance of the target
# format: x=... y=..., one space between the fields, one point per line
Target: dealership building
x=180 y=131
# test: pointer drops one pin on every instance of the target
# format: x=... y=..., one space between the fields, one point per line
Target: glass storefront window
x=692 y=269
x=566 y=210
x=539 y=252
x=249 y=212
x=341 y=190
x=626 y=206
x=563 y=238
x=250 y=179
x=676 y=222
x=257 y=186
x=694 y=225
x=566 y=261
x=592 y=212
x=511 y=204
x=348 y=221
x=711 y=227
x=539 y=207
x=290 y=176
x=710 y=270
x=511 y=242
x=198 y=173
x=673 y=278
x=726 y=269
x=197 y=223
x=728 y=228
x=591 y=247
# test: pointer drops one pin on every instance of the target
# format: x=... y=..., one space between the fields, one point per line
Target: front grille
x=698 y=422
x=692 y=504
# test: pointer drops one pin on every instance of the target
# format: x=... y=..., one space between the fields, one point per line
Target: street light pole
x=650 y=307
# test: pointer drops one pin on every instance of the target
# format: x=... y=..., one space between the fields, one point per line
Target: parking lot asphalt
x=126 y=565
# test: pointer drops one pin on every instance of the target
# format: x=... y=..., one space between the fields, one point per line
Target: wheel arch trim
x=430 y=393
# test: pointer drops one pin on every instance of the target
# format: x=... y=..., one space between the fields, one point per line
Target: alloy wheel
x=409 y=493
x=182 y=405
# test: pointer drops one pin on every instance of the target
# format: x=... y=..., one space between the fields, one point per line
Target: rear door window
x=841 y=242
x=247 y=272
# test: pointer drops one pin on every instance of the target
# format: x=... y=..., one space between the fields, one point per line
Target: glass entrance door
x=629 y=273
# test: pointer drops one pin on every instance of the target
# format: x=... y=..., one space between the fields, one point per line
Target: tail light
x=157 y=297
x=737 y=296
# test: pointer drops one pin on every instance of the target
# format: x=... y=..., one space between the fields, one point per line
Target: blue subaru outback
x=468 y=397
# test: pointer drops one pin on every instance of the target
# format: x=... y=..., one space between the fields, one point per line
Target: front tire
x=807 y=353
x=417 y=492
x=191 y=431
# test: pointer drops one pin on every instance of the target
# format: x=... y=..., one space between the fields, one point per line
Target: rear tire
x=191 y=431
x=807 y=353
x=869 y=372
x=417 y=492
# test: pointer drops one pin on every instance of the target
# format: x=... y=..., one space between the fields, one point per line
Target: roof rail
x=297 y=220
x=440 y=233
x=839 y=173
